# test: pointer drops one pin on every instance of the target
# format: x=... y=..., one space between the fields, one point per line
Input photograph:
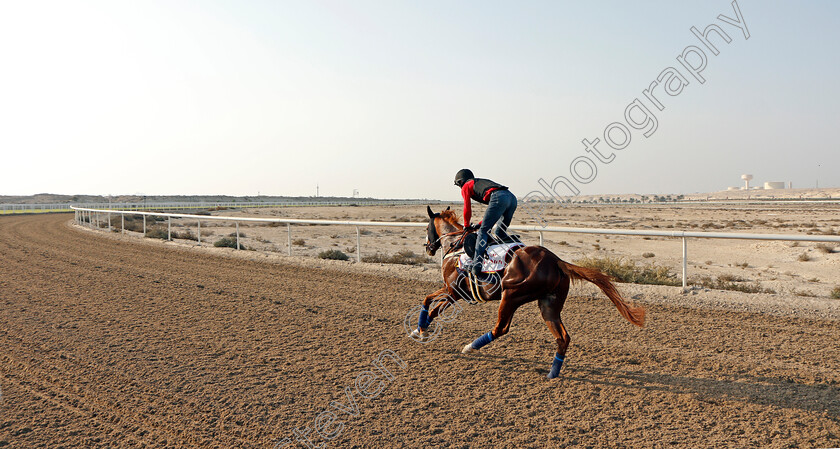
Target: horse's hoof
x=420 y=335
x=468 y=349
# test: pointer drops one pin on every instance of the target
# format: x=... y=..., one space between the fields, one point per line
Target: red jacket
x=467 y=191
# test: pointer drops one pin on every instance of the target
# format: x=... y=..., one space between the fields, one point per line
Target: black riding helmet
x=463 y=175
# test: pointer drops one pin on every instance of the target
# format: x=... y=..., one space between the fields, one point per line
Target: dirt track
x=122 y=344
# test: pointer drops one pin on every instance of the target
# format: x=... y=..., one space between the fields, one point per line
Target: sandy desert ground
x=113 y=340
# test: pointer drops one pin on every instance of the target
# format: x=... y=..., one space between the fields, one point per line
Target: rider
x=501 y=206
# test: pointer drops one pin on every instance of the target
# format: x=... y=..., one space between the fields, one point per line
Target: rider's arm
x=465 y=192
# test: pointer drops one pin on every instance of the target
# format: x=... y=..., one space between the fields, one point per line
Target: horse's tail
x=635 y=315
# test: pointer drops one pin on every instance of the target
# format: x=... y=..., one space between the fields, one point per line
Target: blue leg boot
x=556 y=365
x=424 y=322
x=478 y=343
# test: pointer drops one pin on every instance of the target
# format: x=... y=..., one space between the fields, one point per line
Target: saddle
x=499 y=252
x=471 y=240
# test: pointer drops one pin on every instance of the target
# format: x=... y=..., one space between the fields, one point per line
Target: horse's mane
x=451 y=217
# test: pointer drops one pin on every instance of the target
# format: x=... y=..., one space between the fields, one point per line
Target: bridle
x=434 y=245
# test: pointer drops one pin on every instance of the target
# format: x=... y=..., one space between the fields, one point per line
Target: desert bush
x=627 y=271
x=157 y=233
x=186 y=234
x=806 y=293
x=261 y=239
x=823 y=247
x=804 y=257
x=405 y=257
x=228 y=242
x=233 y=234
x=742 y=264
x=136 y=226
x=733 y=283
x=836 y=293
x=731 y=278
x=333 y=254
x=648 y=255
x=206 y=232
x=298 y=242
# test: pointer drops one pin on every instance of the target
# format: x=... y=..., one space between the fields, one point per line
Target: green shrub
x=333 y=254
x=836 y=293
x=627 y=271
x=228 y=242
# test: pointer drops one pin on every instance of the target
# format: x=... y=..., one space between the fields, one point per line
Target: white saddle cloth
x=495 y=258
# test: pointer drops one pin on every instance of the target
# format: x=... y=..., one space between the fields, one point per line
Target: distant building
x=772 y=185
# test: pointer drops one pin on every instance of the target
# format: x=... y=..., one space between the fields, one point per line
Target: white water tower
x=747 y=179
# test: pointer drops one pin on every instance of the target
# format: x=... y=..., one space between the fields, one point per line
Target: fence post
x=358 y=244
x=237 y=235
x=122 y=229
x=169 y=229
x=199 y=231
x=289 y=238
x=541 y=238
x=109 y=221
x=684 y=264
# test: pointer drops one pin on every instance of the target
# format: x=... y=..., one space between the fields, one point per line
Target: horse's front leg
x=426 y=316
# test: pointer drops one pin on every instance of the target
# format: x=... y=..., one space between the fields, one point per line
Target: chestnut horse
x=533 y=274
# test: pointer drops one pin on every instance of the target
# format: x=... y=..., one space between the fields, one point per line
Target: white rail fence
x=180 y=205
x=94 y=217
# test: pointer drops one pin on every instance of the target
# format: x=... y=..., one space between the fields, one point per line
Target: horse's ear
x=447 y=207
x=429 y=211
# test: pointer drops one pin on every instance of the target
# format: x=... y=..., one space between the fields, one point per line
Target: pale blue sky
x=392 y=98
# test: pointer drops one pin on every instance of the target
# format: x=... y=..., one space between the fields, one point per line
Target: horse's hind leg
x=550 y=308
x=510 y=302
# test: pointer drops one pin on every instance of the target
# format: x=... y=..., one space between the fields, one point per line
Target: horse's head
x=439 y=226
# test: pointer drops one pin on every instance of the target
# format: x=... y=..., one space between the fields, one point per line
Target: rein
x=436 y=244
x=455 y=244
